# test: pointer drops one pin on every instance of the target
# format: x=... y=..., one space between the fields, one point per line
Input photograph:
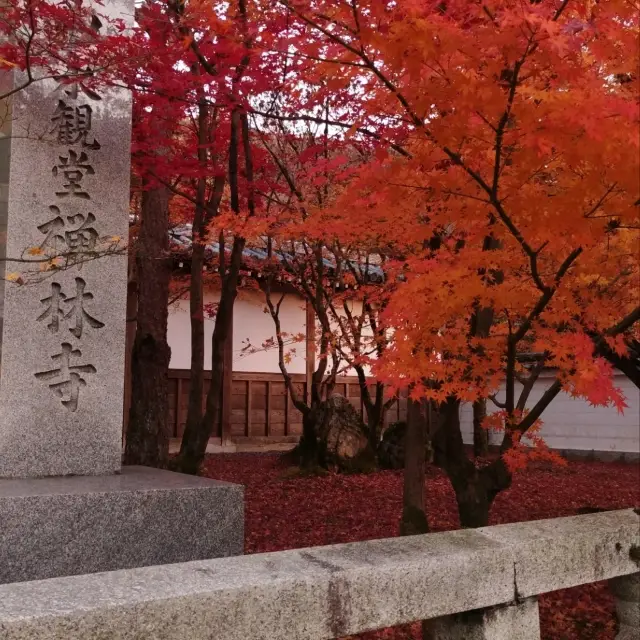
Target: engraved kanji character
x=73 y=125
x=73 y=167
x=67 y=377
x=53 y=309
x=72 y=90
x=60 y=238
x=51 y=229
x=78 y=311
x=84 y=237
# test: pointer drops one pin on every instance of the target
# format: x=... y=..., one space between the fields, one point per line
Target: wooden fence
x=261 y=410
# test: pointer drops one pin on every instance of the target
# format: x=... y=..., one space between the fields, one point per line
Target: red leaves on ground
x=286 y=513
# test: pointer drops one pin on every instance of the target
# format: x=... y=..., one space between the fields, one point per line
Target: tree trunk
x=196 y=310
x=196 y=437
x=374 y=428
x=147 y=432
x=480 y=435
x=374 y=408
x=375 y=421
x=475 y=496
x=375 y=417
x=475 y=489
x=414 y=516
x=309 y=448
x=473 y=499
x=196 y=297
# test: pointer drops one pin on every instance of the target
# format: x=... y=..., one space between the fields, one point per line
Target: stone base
x=514 y=622
x=626 y=590
x=51 y=527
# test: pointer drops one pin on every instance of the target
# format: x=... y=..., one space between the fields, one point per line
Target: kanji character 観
x=73 y=125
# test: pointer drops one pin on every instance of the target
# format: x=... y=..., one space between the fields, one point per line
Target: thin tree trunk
x=480 y=434
x=147 y=433
x=196 y=310
x=196 y=437
x=375 y=417
x=374 y=427
x=196 y=297
x=313 y=421
x=375 y=408
x=414 y=516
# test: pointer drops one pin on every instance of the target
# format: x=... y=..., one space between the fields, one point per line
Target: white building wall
x=250 y=326
x=572 y=423
x=568 y=423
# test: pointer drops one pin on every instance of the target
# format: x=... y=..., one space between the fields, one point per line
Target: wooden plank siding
x=261 y=410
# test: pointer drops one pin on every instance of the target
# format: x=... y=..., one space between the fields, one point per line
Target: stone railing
x=478 y=583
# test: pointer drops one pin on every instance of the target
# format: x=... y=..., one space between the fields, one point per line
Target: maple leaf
x=618 y=345
x=14 y=277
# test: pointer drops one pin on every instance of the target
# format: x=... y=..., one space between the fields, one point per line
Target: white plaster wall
x=569 y=423
x=250 y=323
x=572 y=423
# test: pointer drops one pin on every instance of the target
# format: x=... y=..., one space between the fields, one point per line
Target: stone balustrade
x=474 y=584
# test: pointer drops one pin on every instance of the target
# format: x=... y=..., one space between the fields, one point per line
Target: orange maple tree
x=507 y=171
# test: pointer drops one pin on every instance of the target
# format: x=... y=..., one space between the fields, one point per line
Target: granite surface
x=550 y=554
x=318 y=593
x=61 y=385
x=52 y=527
x=626 y=590
x=514 y=622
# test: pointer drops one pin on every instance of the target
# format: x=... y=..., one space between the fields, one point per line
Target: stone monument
x=64 y=211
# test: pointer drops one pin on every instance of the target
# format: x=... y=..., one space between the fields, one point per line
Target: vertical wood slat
x=246 y=425
x=268 y=411
x=247 y=422
x=176 y=433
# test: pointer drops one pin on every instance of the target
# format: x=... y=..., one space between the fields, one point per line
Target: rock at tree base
x=344 y=437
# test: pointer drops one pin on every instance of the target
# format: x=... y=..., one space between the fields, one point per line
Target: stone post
x=626 y=590
x=66 y=506
x=514 y=622
x=67 y=212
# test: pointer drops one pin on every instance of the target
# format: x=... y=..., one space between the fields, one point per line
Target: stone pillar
x=626 y=590
x=66 y=506
x=513 y=622
x=67 y=212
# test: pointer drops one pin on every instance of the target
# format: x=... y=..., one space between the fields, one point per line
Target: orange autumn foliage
x=509 y=131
